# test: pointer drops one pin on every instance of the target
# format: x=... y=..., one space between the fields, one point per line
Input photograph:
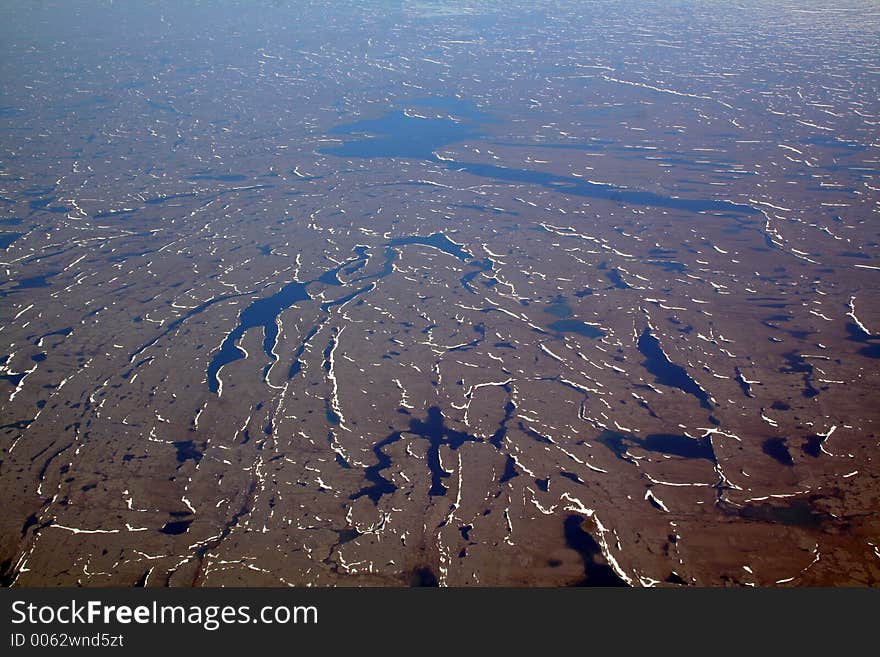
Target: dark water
x=871 y=348
x=6 y=239
x=798 y=513
x=262 y=312
x=45 y=205
x=800 y=365
x=296 y=366
x=380 y=485
x=596 y=571
x=173 y=326
x=348 y=297
x=666 y=372
x=777 y=449
x=114 y=213
x=571 y=476
x=64 y=332
x=330 y=277
x=661 y=443
x=30 y=283
x=676 y=445
x=834 y=143
x=675 y=579
x=484 y=208
x=498 y=437
x=617 y=280
x=812 y=446
x=580 y=187
x=668 y=265
x=346 y=535
x=436 y=240
x=509 y=471
x=559 y=309
x=28 y=523
x=423 y=576
x=171 y=197
x=186 y=451
x=436 y=433
x=268 y=312
x=176 y=527
x=331 y=415
x=576 y=326
x=534 y=435
x=397 y=135
x=13 y=379
x=238 y=97
x=467 y=279
x=744 y=386
x=481 y=267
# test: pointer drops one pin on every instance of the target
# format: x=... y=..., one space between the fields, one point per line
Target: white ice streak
x=334 y=387
x=578 y=507
x=651 y=497
x=852 y=315
x=664 y=90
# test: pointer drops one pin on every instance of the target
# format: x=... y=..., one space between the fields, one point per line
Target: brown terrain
x=484 y=295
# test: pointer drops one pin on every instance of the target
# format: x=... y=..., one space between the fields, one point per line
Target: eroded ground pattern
x=582 y=293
